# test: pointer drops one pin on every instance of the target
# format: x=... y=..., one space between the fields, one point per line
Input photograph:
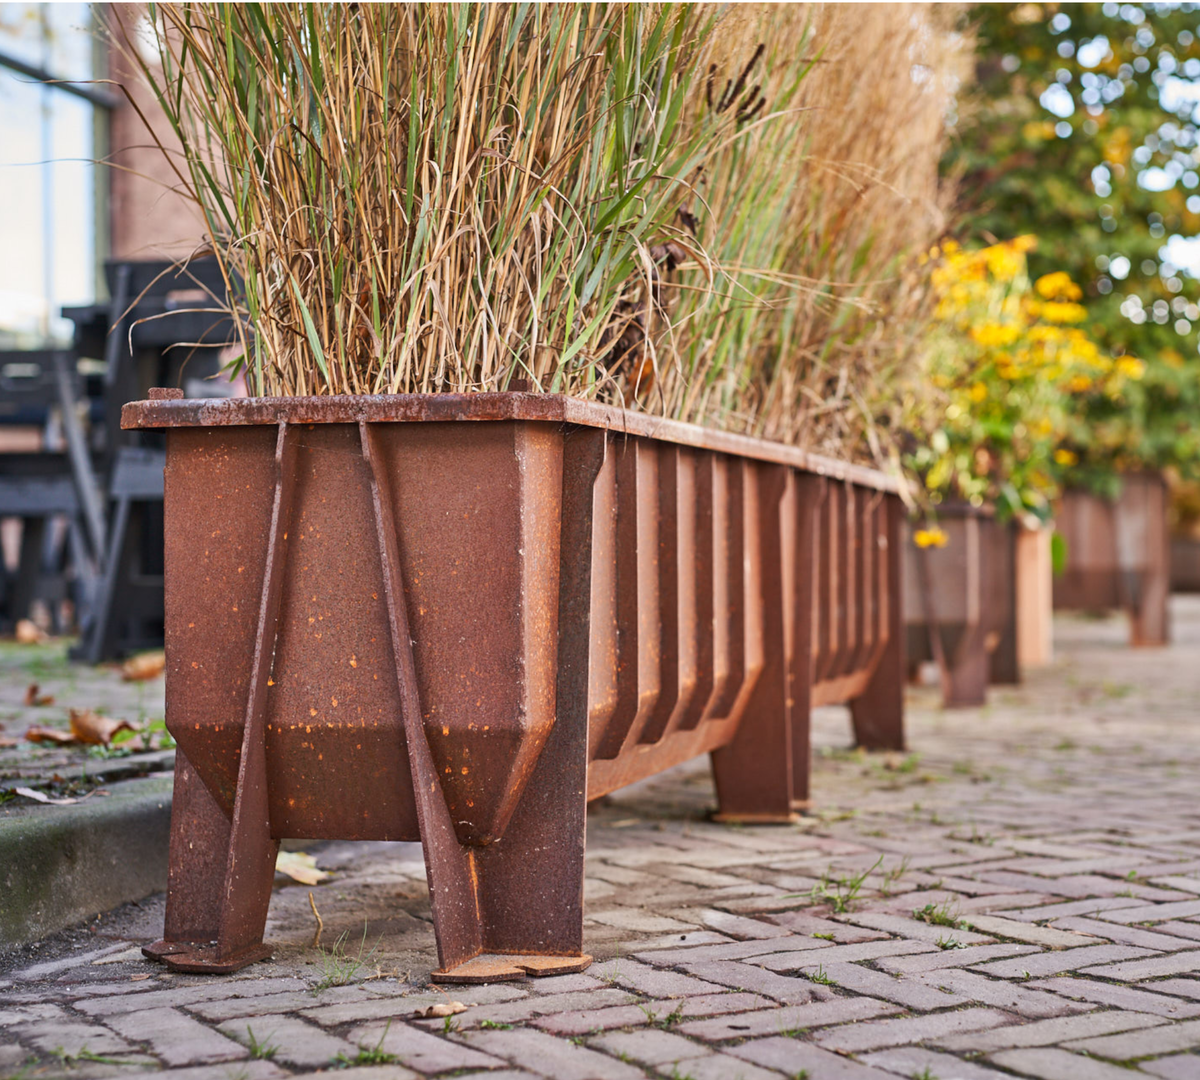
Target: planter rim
x=502 y=405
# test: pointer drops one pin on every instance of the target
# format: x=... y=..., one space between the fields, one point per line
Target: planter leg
x=753 y=773
x=198 y=854
x=515 y=907
x=250 y=866
x=965 y=684
x=878 y=713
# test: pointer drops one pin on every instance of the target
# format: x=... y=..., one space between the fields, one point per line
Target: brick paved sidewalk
x=1019 y=896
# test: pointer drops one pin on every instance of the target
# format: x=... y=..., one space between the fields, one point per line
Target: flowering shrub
x=1005 y=365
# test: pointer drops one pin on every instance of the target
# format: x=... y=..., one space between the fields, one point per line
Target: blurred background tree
x=1082 y=129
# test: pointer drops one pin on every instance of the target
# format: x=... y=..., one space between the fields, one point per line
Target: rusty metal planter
x=458 y=618
x=1118 y=555
x=1185 y=564
x=960 y=603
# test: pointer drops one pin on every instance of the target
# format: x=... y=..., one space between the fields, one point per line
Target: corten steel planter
x=1118 y=555
x=1034 y=619
x=458 y=618
x=1185 y=564
x=959 y=604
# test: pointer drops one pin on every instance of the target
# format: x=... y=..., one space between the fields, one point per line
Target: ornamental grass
x=708 y=213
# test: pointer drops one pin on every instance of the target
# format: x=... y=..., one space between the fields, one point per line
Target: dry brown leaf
x=299 y=866
x=5 y=742
x=32 y=697
x=139 y=978
x=442 y=1008
x=135 y=745
x=95 y=730
x=42 y=797
x=28 y=633
x=45 y=734
x=143 y=666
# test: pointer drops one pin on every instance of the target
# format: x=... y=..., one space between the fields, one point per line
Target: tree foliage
x=1084 y=130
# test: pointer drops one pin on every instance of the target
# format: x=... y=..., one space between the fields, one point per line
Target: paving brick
x=734 y=950
x=548 y=1056
x=1163 y=1040
x=1127 y=935
x=421 y=1050
x=1123 y=997
x=397 y=1006
x=946 y=958
x=649 y=1046
x=878 y=984
x=1179 y=963
x=259 y=1070
x=553 y=984
x=913 y=1061
x=876 y=1034
x=807 y=926
x=651 y=980
x=588 y=1021
x=869 y=950
x=722 y=1067
x=1034 y=935
x=1070 y=908
x=175 y=1037
x=1181 y=929
x=296 y=1041
x=1188 y=988
x=534 y=1005
x=1175 y=1067
x=1050 y=1032
x=787 y=1018
x=1054 y=963
x=71 y=1038
x=1048 y=1063
x=738 y=926
x=1153 y=912
x=26 y=1014
x=787 y=989
x=689 y=1008
x=915 y=930
x=793 y=1057
x=292 y=1001
x=1002 y=993
x=1186 y=884
x=188 y=994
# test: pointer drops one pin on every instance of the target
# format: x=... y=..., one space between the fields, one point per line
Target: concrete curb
x=60 y=865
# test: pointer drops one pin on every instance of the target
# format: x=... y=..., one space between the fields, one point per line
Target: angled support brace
x=239 y=910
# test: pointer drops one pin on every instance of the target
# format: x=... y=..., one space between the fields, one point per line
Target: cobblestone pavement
x=1020 y=895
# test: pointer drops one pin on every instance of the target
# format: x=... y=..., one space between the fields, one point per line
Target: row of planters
x=575 y=345
x=1004 y=497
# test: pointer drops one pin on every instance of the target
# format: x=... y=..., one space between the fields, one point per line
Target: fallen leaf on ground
x=6 y=743
x=28 y=633
x=135 y=745
x=42 y=797
x=32 y=697
x=138 y=978
x=144 y=666
x=299 y=866
x=442 y=1008
x=95 y=730
x=46 y=734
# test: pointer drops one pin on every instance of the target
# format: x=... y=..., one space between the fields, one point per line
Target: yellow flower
x=978 y=392
x=994 y=334
x=1130 y=366
x=1065 y=457
x=1077 y=384
x=1025 y=244
x=931 y=537
x=1058 y=286
x=1059 y=312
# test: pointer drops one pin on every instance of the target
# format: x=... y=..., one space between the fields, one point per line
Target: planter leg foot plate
x=499 y=967
x=734 y=818
x=202 y=958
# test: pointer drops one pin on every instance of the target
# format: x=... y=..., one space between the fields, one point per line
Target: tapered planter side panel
x=1118 y=555
x=457 y=619
x=960 y=604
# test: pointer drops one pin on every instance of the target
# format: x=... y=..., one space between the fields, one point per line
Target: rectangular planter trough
x=1118 y=555
x=458 y=618
x=960 y=603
